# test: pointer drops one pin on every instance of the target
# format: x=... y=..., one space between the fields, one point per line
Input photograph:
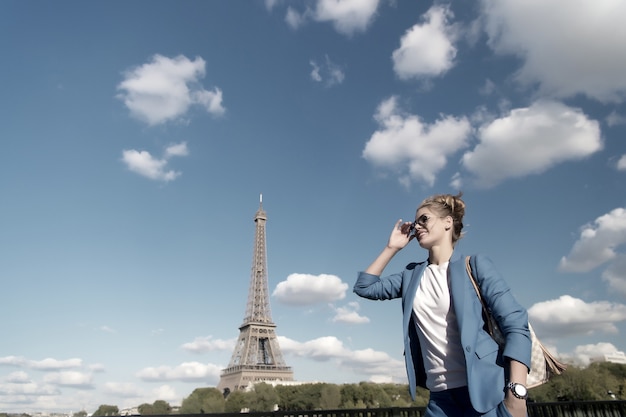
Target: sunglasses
x=422 y=221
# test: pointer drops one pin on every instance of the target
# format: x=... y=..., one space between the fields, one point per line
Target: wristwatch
x=518 y=390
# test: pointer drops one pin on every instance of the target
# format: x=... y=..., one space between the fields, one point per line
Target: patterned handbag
x=543 y=364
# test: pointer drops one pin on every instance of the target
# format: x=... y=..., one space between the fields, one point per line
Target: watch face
x=520 y=390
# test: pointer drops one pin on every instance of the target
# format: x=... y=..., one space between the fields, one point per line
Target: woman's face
x=431 y=229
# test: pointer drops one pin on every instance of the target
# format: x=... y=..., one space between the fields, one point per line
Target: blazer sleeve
x=510 y=315
x=377 y=288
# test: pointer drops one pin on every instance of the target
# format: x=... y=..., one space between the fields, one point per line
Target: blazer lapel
x=411 y=289
x=458 y=281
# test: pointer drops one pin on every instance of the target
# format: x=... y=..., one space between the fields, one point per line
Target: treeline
x=598 y=382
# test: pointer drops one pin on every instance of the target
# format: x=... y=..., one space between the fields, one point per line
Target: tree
x=237 y=401
x=265 y=398
x=107 y=410
x=81 y=413
x=330 y=397
x=203 y=400
x=159 y=407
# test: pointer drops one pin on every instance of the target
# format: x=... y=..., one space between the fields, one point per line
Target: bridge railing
x=556 y=409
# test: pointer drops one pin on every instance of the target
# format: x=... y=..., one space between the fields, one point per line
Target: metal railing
x=555 y=409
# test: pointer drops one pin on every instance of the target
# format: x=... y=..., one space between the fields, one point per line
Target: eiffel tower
x=257 y=356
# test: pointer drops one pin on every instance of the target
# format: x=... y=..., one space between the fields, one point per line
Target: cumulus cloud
x=568 y=316
x=615 y=119
x=621 y=163
x=74 y=379
x=165 y=392
x=208 y=344
x=27 y=389
x=269 y=4
x=294 y=18
x=186 y=372
x=326 y=72
x=615 y=275
x=585 y=354
x=349 y=314
x=597 y=243
x=18 y=377
x=530 y=141
x=329 y=348
x=306 y=289
x=427 y=49
x=347 y=16
x=414 y=150
x=18 y=361
x=164 y=89
x=590 y=58
x=146 y=165
x=122 y=389
x=48 y=364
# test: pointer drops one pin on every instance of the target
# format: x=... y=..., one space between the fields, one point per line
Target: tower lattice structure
x=257 y=356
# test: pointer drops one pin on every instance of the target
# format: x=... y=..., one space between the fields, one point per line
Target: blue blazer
x=484 y=364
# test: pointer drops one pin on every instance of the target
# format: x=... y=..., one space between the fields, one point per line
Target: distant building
x=131 y=411
x=617 y=357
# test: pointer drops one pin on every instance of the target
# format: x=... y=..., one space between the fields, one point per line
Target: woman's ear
x=448 y=222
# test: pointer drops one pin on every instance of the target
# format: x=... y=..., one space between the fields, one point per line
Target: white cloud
x=179 y=149
x=597 y=243
x=269 y=4
x=208 y=344
x=166 y=393
x=18 y=377
x=144 y=164
x=585 y=354
x=349 y=314
x=164 y=89
x=615 y=119
x=27 y=389
x=18 y=361
x=327 y=72
x=427 y=50
x=347 y=16
x=587 y=59
x=329 y=348
x=615 y=275
x=294 y=18
x=50 y=364
x=306 y=289
x=122 y=389
x=621 y=163
x=567 y=316
x=69 y=379
x=407 y=146
x=530 y=141
x=96 y=367
x=186 y=372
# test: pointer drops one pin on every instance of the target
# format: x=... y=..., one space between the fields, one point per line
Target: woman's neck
x=440 y=254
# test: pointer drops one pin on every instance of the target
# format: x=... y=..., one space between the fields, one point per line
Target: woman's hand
x=399 y=238
x=400 y=235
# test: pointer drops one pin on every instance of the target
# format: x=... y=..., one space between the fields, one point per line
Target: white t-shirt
x=438 y=331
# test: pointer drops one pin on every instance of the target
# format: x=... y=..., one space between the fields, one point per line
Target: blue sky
x=138 y=136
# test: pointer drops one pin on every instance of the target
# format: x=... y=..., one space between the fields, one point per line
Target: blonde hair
x=448 y=205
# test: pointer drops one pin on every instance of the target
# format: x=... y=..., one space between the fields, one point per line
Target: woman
x=446 y=348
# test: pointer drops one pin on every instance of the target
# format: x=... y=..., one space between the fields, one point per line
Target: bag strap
x=486 y=314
